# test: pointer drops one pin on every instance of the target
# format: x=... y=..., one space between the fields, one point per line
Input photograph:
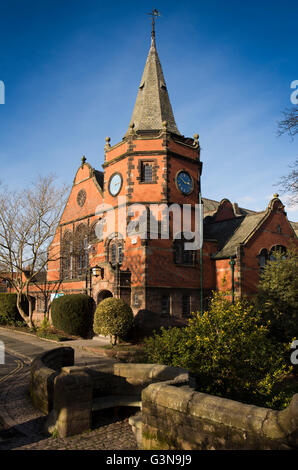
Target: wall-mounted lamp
x=98 y=271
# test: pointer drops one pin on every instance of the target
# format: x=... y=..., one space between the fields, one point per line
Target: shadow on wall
x=146 y=322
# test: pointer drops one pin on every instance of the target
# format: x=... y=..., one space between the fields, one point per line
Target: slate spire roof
x=152 y=105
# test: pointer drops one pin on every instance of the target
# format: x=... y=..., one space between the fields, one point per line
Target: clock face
x=184 y=182
x=115 y=184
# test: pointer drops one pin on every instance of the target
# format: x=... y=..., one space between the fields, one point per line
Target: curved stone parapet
x=44 y=369
x=173 y=415
x=69 y=394
x=204 y=421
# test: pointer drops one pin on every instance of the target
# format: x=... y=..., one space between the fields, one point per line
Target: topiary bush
x=9 y=314
x=73 y=314
x=114 y=318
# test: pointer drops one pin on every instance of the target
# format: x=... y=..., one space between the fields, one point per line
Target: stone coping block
x=148 y=372
x=239 y=425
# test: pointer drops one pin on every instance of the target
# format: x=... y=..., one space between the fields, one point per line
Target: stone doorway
x=104 y=294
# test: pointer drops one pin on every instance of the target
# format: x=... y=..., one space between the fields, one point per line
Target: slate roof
x=230 y=233
x=152 y=105
x=99 y=176
x=211 y=206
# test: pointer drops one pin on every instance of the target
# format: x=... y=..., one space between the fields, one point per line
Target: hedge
x=9 y=313
x=73 y=314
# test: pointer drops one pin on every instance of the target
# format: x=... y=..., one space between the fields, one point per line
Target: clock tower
x=155 y=165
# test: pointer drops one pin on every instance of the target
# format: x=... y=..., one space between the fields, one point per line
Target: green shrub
x=114 y=318
x=73 y=314
x=228 y=351
x=9 y=314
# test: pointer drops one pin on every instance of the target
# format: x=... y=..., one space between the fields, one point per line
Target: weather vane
x=154 y=14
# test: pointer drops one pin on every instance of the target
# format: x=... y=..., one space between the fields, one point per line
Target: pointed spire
x=152 y=106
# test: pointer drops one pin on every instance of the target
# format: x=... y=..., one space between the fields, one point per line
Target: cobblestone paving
x=25 y=424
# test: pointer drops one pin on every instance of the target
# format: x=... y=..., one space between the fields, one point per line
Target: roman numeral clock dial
x=184 y=182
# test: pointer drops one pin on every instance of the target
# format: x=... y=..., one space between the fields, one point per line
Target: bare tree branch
x=28 y=222
x=288 y=184
x=289 y=125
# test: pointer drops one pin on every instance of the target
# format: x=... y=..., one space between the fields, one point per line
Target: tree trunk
x=30 y=321
x=27 y=318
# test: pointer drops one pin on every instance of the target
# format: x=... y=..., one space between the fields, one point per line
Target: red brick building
x=154 y=164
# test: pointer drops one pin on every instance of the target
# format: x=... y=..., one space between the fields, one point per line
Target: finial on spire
x=84 y=159
x=154 y=14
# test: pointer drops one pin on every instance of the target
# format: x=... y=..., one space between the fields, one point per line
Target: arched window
x=92 y=233
x=263 y=258
x=66 y=256
x=115 y=252
x=277 y=248
x=97 y=230
x=181 y=255
x=81 y=250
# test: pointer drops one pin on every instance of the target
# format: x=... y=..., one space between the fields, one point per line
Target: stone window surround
x=152 y=161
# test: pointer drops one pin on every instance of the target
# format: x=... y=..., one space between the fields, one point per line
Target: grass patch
x=45 y=333
x=51 y=335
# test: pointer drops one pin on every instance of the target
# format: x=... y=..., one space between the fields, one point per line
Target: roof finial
x=154 y=14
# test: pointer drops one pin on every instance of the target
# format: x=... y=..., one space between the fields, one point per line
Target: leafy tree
x=277 y=295
x=228 y=350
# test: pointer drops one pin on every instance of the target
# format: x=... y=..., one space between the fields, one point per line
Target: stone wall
x=176 y=417
x=173 y=415
x=67 y=393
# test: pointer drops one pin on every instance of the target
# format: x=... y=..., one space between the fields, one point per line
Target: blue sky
x=72 y=68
